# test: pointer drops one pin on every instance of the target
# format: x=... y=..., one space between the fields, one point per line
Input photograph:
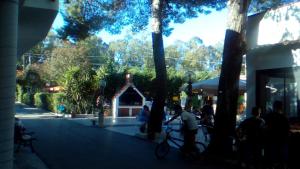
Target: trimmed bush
x=19 y=92
x=49 y=101
x=43 y=100
x=58 y=98
x=28 y=99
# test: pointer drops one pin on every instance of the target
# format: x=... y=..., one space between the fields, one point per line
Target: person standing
x=207 y=119
x=276 y=136
x=250 y=134
x=143 y=117
x=207 y=114
x=100 y=108
x=61 y=108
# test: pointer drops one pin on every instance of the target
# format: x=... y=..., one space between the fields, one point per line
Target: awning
x=210 y=86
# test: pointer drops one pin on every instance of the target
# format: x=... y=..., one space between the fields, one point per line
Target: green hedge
x=19 y=92
x=49 y=101
x=28 y=99
x=58 y=98
x=43 y=100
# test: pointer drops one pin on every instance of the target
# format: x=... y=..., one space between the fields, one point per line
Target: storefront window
x=282 y=85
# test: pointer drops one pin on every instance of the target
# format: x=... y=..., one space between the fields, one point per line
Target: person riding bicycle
x=190 y=128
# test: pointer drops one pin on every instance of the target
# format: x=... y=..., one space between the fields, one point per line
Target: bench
x=22 y=138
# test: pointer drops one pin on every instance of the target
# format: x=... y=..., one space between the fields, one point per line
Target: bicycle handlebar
x=203 y=125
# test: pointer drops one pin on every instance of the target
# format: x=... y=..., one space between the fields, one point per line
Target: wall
x=266 y=33
x=271 y=58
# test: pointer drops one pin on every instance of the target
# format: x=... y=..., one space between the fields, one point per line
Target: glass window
x=279 y=84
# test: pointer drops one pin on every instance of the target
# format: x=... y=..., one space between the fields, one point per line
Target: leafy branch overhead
x=86 y=17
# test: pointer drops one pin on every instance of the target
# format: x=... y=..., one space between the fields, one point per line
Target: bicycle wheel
x=162 y=149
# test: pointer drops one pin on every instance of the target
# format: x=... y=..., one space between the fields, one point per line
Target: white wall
x=283 y=26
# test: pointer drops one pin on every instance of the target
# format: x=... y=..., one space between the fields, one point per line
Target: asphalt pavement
x=64 y=143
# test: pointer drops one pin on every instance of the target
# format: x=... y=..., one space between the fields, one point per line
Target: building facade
x=273 y=60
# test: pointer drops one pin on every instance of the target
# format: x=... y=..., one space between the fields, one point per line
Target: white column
x=8 y=54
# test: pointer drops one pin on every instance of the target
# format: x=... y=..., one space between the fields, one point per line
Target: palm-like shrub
x=80 y=86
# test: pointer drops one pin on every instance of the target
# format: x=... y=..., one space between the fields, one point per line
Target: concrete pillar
x=8 y=53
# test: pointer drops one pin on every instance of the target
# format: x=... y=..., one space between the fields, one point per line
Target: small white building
x=128 y=101
x=273 y=60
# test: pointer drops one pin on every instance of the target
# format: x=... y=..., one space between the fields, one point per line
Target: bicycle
x=163 y=148
x=207 y=131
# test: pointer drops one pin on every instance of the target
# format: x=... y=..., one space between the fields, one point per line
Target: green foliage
x=132 y=52
x=143 y=80
x=173 y=56
x=192 y=55
x=114 y=82
x=32 y=79
x=113 y=75
x=94 y=46
x=143 y=76
x=62 y=58
x=43 y=100
x=174 y=82
x=86 y=17
x=47 y=101
x=80 y=86
x=58 y=98
x=28 y=98
x=19 y=92
x=90 y=52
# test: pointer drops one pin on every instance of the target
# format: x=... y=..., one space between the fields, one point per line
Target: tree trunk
x=8 y=55
x=157 y=109
x=234 y=48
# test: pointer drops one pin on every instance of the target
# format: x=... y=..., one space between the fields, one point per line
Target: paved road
x=63 y=144
x=23 y=111
x=66 y=144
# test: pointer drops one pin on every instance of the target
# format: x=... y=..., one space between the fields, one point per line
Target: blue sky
x=210 y=28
